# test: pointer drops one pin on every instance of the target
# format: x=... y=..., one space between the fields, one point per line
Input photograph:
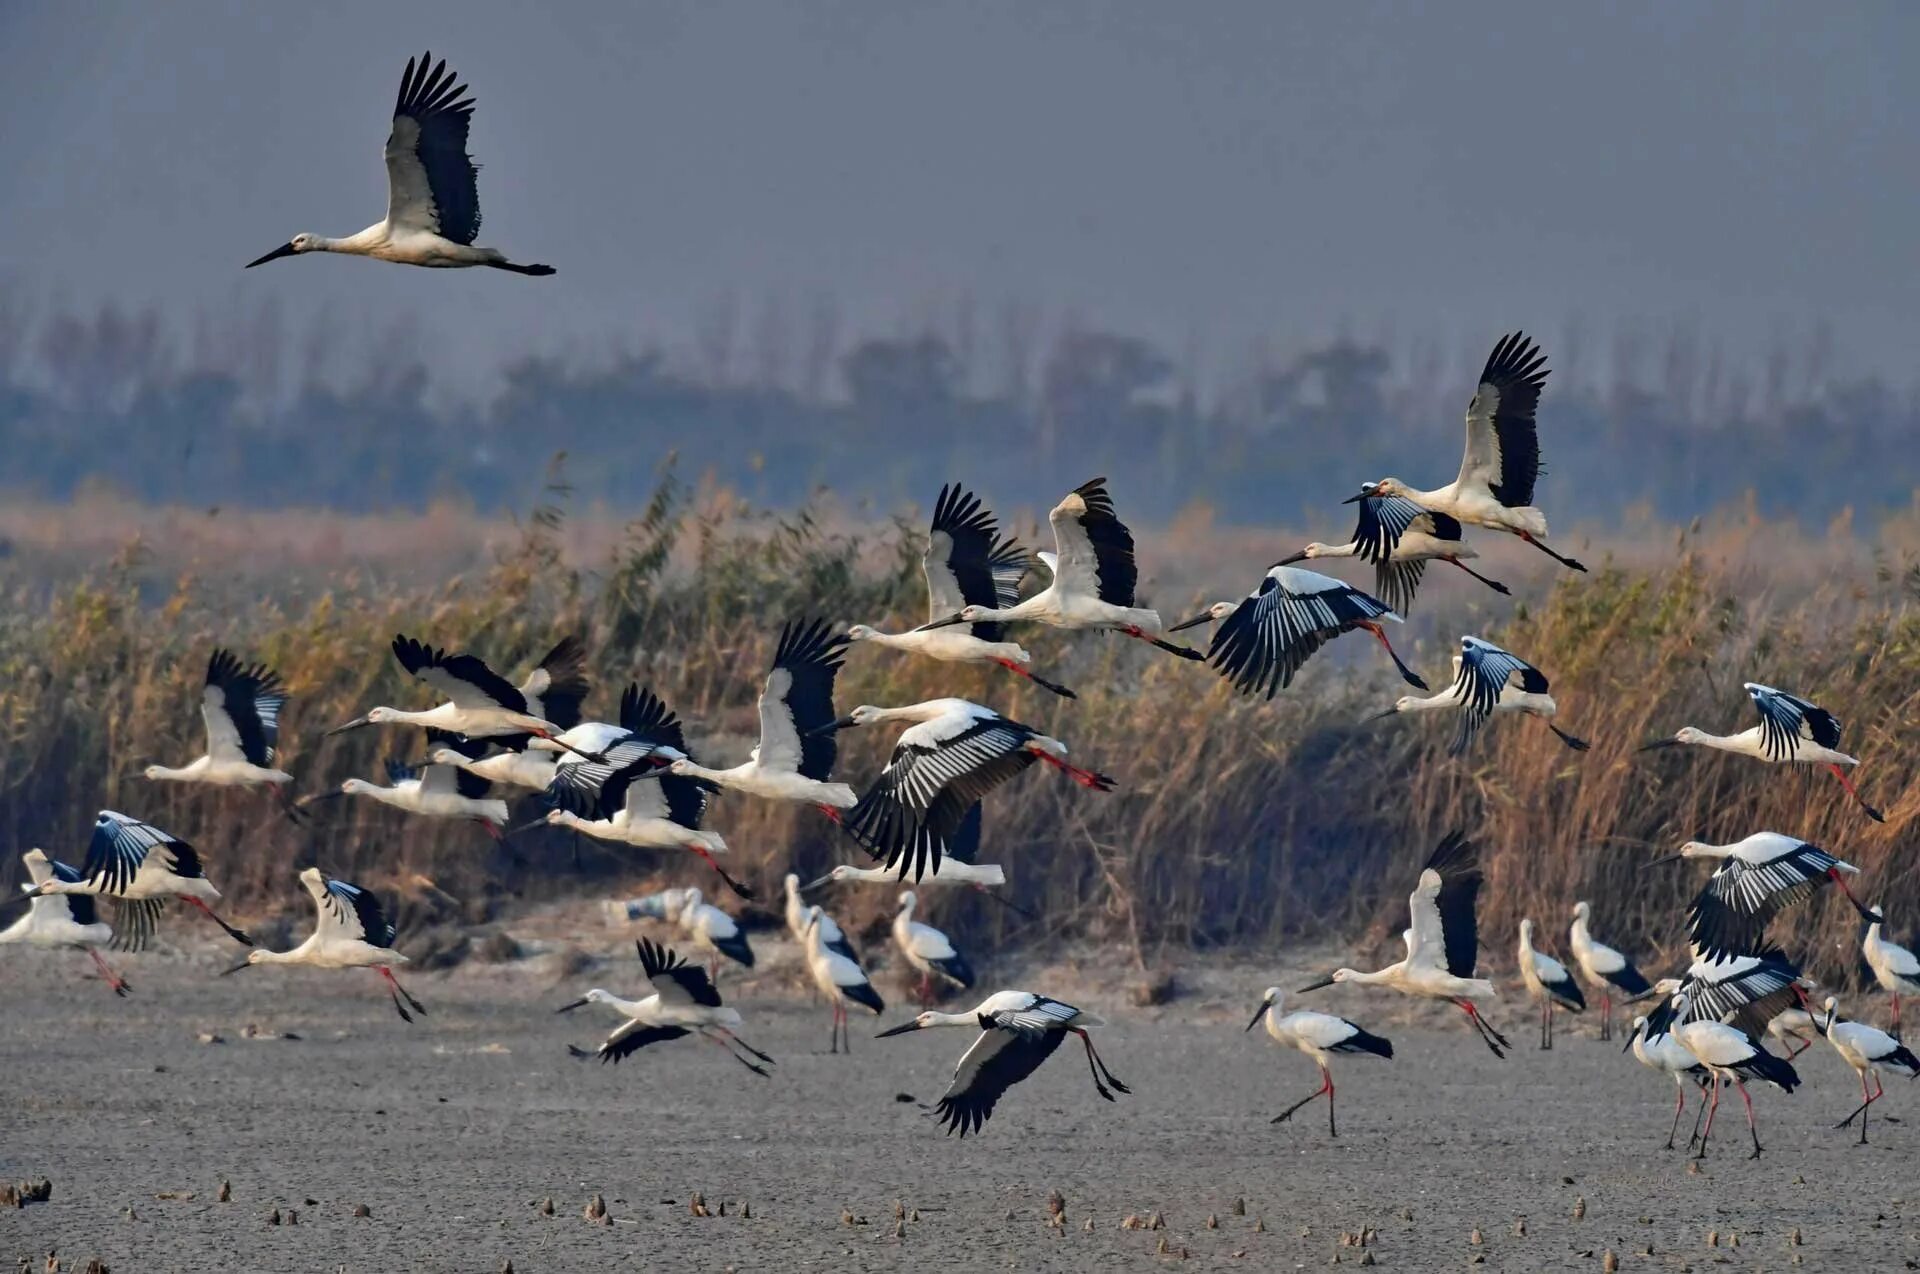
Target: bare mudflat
x=452 y=1131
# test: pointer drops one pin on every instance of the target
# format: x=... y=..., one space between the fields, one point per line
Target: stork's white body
x=1473 y=503
x=1601 y=967
x=474 y=722
x=652 y=1011
x=834 y=974
x=423 y=797
x=772 y=782
x=528 y=769
x=712 y=930
x=1454 y=698
x=930 y=952
x=952 y=645
x=337 y=941
x=1752 y=743
x=1412 y=546
x=643 y=833
x=48 y=923
x=1894 y=967
x=220 y=772
x=153 y=879
x=950 y=871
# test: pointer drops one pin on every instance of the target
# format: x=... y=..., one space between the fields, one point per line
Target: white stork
x=351 y=931
x=799 y=915
x=1399 y=538
x=481 y=704
x=240 y=705
x=1548 y=981
x=1442 y=940
x=1018 y=1031
x=1502 y=460
x=1319 y=1036
x=433 y=192
x=139 y=867
x=1791 y=731
x=966 y=564
x=794 y=760
x=1794 y=1028
x=1665 y=1054
x=954 y=754
x=628 y=799
x=1894 y=967
x=713 y=931
x=1730 y=1053
x=433 y=790
x=684 y=1002
x=61 y=923
x=1869 y=1050
x=956 y=867
x=839 y=977
x=928 y=951
x=1747 y=990
x=1488 y=680
x=1605 y=969
x=1093 y=577
x=1264 y=639
x=1757 y=879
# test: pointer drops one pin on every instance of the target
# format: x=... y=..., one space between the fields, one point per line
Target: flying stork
x=838 y=976
x=1757 y=879
x=954 y=754
x=1264 y=638
x=956 y=866
x=684 y=1002
x=350 y=931
x=1791 y=731
x=1605 y=969
x=1730 y=1053
x=1894 y=967
x=1018 y=1031
x=434 y=790
x=433 y=192
x=139 y=867
x=1093 y=577
x=929 y=952
x=61 y=923
x=1442 y=940
x=1868 y=1050
x=1487 y=680
x=1399 y=538
x=1318 y=1035
x=1548 y=981
x=794 y=760
x=966 y=564
x=240 y=705
x=1502 y=460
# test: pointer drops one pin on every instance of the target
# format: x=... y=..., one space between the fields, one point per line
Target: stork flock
x=634 y=781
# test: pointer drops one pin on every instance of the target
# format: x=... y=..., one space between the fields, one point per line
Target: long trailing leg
x=1411 y=677
x=1896 y=1015
x=743 y=1044
x=834 y=1047
x=1085 y=778
x=237 y=935
x=1172 y=648
x=1573 y=741
x=1488 y=1036
x=738 y=888
x=1860 y=1111
x=1847 y=783
x=1752 y=1129
x=1007 y=902
x=1037 y=680
x=114 y=980
x=1567 y=562
x=1493 y=584
x=1799 y=1045
x=393 y=991
x=1326 y=1086
x=1094 y=1060
x=722 y=1046
x=412 y=1003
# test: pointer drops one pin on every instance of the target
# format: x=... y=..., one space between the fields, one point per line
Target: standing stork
x=794 y=760
x=1093 y=577
x=1757 y=879
x=714 y=931
x=1399 y=538
x=1502 y=459
x=839 y=978
x=350 y=931
x=1264 y=638
x=139 y=867
x=966 y=564
x=481 y=704
x=61 y=923
x=952 y=756
x=684 y=1002
x=1442 y=940
x=1869 y=1050
x=1665 y=1054
x=1791 y=732
x=1318 y=1035
x=1018 y=1031
x=799 y=915
x=433 y=190
x=929 y=952
x=1605 y=969
x=1894 y=967
x=1547 y=981
x=1730 y=1054
x=1486 y=680
x=240 y=705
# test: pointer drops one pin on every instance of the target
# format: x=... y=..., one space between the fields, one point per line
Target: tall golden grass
x=1236 y=822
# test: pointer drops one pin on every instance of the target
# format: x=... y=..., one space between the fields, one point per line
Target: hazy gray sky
x=1209 y=171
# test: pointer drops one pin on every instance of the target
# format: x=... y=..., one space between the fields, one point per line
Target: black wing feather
x=969 y=1101
x=663 y=964
x=1457 y=862
x=1112 y=544
x=811 y=652
x=253 y=696
x=437 y=103
x=417 y=656
x=914 y=809
x=1516 y=369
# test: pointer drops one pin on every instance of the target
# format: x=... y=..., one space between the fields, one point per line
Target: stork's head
x=447 y=756
x=682 y=767
x=920 y=1023
x=1338 y=975
x=155 y=771
x=1217 y=611
x=353 y=787
x=1307 y=554
x=1526 y=930
x=1269 y=1003
x=907 y=899
x=1581 y=911
x=1384 y=487
x=595 y=996
x=292 y=247
x=861 y=632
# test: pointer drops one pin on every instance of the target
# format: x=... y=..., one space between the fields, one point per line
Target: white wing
x=1426 y=940
x=223 y=736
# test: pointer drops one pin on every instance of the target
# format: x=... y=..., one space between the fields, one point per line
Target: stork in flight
x=1487 y=680
x=433 y=189
x=350 y=931
x=1442 y=941
x=1757 y=879
x=240 y=705
x=684 y=1002
x=1791 y=731
x=1399 y=538
x=1502 y=460
x=966 y=564
x=942 y=765
x=1094 y=575
x=54 y=921
x=434 y=790
x=1264 y=638
x=139 y=867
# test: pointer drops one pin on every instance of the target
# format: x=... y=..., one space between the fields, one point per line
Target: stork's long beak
x=36 y=892
x=1670 y=858
x=1184 y=624
x=568 y=1008
x=1632 y=1035
x=901 y=1029
x=354 y=724
x=1355 y=499
x=830 y=727
x=1327 y=981
x=244 y=964
x=812 y=885
x=284 y=250
x=1301 y=556
x=1657 y=744
x=1382 y=715
x=932 y=624
x=1260 y=1013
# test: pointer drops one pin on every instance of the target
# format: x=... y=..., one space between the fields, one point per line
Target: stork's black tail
x=1365 y=1042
